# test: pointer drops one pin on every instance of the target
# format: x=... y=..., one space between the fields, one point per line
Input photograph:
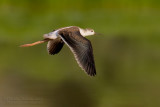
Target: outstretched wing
x=82 y=50
x=54 y=46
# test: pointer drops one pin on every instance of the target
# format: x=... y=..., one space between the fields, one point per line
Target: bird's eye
x=91 y=30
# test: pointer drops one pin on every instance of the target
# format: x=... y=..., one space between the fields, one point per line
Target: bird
x=74 y=38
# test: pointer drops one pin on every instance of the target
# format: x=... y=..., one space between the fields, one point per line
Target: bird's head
x=87 y=32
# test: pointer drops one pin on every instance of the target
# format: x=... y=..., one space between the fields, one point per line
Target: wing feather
x=82 y=50
x=54 y=46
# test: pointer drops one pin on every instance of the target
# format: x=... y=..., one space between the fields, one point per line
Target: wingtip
x=92 y=74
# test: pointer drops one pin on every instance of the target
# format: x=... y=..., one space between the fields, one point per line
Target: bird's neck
x=83 y=32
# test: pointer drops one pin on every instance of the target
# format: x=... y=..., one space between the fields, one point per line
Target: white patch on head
x=86 y=32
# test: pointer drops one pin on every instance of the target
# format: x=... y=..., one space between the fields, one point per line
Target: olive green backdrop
x=127 y=55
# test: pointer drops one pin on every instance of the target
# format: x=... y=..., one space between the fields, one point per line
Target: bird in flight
x=74 y=38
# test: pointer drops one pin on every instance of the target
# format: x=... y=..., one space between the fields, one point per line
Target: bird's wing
x=82 y=50
x=54 y=46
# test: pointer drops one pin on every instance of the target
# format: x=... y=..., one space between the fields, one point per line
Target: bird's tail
x=35 y=43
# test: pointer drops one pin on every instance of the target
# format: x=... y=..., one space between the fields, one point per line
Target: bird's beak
x=98 y=33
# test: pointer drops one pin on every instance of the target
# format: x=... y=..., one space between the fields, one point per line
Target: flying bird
x=74 y=38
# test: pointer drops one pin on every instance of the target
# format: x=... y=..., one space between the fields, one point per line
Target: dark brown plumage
x=81 y=48
x=54 y=46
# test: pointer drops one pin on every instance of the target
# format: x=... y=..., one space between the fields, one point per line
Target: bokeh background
x=127 y=55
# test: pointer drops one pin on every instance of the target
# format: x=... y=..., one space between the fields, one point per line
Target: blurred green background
x=127 y=56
